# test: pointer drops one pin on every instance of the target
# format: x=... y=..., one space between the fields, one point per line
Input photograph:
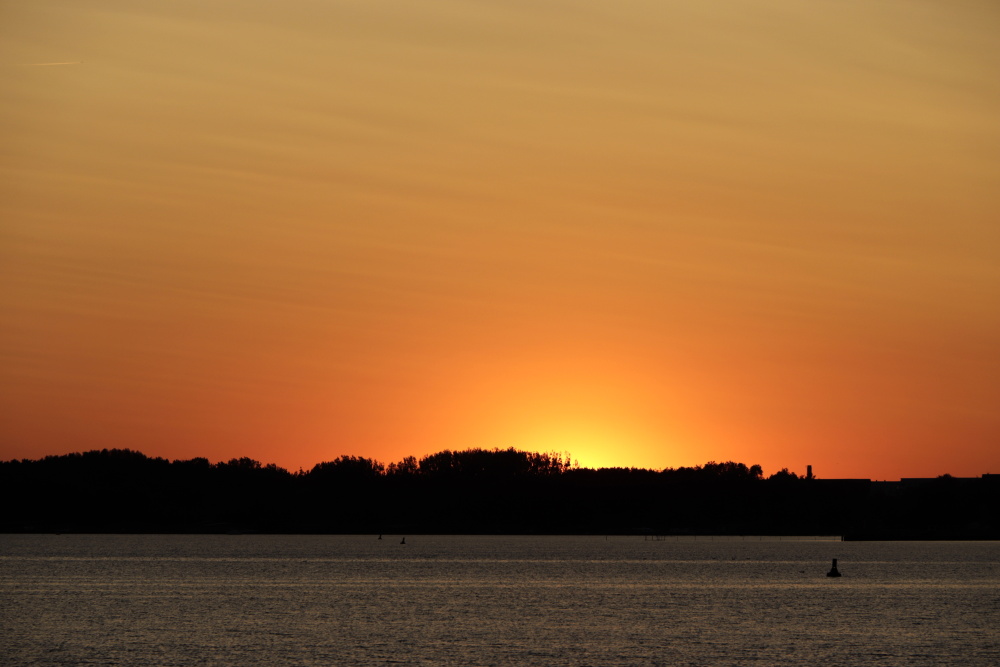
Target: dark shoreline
x=653 y=538
x=480 y=492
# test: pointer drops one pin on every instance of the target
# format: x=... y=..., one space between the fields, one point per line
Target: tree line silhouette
x=477 y=491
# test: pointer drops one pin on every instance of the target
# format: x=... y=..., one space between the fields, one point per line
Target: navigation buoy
x=403 y=541
x=834 y=572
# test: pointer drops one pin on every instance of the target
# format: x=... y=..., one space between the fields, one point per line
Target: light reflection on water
x=247 y=599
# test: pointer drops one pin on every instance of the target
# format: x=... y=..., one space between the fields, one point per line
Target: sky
x=646 y=233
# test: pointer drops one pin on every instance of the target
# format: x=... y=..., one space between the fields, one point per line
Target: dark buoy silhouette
x=380 y=536
x=834 y=572
x=403 y=541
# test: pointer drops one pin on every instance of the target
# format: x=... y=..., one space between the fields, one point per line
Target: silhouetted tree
x=475 y=490
x=783 y=475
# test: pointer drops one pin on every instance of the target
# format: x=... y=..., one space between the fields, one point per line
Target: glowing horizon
x=650 y=235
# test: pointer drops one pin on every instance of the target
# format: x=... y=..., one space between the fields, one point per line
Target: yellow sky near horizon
x=646 y=233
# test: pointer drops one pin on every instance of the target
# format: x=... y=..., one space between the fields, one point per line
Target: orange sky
x=646 y=233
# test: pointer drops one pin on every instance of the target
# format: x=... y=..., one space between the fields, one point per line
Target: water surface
x=472 y=600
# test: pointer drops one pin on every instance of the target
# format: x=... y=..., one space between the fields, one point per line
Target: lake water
x=352 y=600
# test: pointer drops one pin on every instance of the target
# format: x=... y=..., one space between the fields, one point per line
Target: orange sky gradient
x=646 y=233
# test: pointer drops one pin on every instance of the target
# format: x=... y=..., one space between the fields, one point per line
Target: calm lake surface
x=342 y=600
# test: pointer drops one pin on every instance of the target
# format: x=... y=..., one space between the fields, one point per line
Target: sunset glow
x=647 y=234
